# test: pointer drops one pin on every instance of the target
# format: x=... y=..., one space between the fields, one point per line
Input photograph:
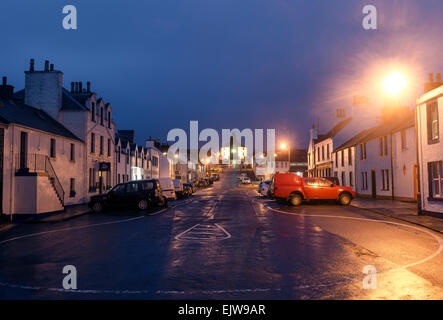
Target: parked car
x=140 y=194
x=215 y=176
x=188 y=189
x=294 y=189
x=168 y=188
x=178 y=188
x=209 y=181
x=202 y=183
x=263 y=187
x=246 y=180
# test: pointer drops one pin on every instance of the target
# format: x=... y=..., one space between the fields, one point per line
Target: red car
x=294 y=189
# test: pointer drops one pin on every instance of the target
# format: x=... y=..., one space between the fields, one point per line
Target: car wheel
x=97 y=207
x=345 y=199
x=295 y=200
x=142 y=204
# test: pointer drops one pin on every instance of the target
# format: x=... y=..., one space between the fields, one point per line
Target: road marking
x=437 y=238
x=207 y=233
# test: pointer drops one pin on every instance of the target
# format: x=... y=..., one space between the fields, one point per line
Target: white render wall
x=338 y=169
x=429 y=152
x=404 y=163
x=39 y=143
x=374 y=162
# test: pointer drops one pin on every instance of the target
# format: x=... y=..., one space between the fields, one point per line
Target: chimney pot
x=72 y=86
x=438 y=77
x=80 y=86
x=31 y=65
x=76 y=87
x=52 y=67
x=431 y=77
x=88 y=86
x=46 y=65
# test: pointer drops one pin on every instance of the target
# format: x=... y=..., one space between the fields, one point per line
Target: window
x=109 y=119
x=92 y=177
x=93 y=111
x=318 y=153
x=92 y=142
x=101 y=115
x=72 y=187
x=101 y=144
x=323 y=153
x=432 y=122
x=132 y=187
x=364 y=180
x=343 y=179
x=324 y=183
x=435 y=180
x=403 y=139
x=118 y=154
x=336 y=159
x=72 y=154
x=327 y=152
x=118 y=178
x=127 y=156
x=385 y=179
x=351 y=179
x=383 y=146
x=343 y=158
x=52 y=149
x=363 y=151
x=147 y=185
x=350 y=156
x=119 y=189
x=311 y=182
x=109 y=147
x=155 y=161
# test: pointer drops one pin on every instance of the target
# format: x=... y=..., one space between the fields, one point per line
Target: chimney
x=51 y=67
x=72 y=87
x=88 y=86
x=80 y=87
x=6 y=91
x=76 y=87
x=313 y=132
x=43 y=89
x=431 y=85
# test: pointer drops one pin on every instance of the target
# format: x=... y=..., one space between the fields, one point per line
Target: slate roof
x=15 y=111
x=336 y=129
x=70 y=101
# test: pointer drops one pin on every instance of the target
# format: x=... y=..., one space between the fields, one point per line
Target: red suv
x=294 y=189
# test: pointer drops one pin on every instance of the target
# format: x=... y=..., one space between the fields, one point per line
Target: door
x=311 y=188
x=23 y=150
x=373 y=184
x=327 y=189
x=132 y=193
x=117 y=197
x=415 y=182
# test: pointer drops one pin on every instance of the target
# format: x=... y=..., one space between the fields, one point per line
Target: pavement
x=225 y=242
x=405 y=211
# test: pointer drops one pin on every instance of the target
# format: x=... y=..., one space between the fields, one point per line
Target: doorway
x=374 y=184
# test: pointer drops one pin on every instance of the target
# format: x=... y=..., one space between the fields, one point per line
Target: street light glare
x=394 y=83
x=283 y=145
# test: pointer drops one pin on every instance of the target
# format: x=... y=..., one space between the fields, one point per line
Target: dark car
x=202 y=183
x=188 y=189
x=140 y=195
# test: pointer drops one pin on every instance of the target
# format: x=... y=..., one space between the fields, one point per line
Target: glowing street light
x=394 y=83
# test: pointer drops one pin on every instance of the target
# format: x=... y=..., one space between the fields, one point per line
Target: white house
x=41 y=160
x=430 y=148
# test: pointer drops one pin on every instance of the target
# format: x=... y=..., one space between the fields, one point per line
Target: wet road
x=224 y=243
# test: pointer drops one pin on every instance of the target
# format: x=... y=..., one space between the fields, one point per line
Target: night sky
x=227 y=63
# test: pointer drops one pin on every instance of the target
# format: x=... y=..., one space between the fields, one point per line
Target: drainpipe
x=392 y=167
x=419 y=193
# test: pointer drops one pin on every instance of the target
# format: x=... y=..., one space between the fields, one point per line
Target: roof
x=70 y=101
x=15 y=111
x=297 y=155
x=336 y=129
x=378 y=131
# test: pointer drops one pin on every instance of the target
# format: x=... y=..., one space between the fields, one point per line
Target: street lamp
x=285 y=146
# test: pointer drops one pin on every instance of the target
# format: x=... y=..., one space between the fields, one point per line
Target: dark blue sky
x=227 y=63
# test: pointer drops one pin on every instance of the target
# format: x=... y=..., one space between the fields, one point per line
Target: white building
x=41 y=161
x=430 y=148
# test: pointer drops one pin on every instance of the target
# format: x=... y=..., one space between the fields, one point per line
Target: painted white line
x=437 y=238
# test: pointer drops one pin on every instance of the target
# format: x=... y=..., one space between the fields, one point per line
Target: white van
x=168 y=189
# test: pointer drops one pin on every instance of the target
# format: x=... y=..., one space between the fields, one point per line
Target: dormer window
x=109 y=119
x=101 y=116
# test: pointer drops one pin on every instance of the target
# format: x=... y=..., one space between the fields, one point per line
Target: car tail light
x=156 y=193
